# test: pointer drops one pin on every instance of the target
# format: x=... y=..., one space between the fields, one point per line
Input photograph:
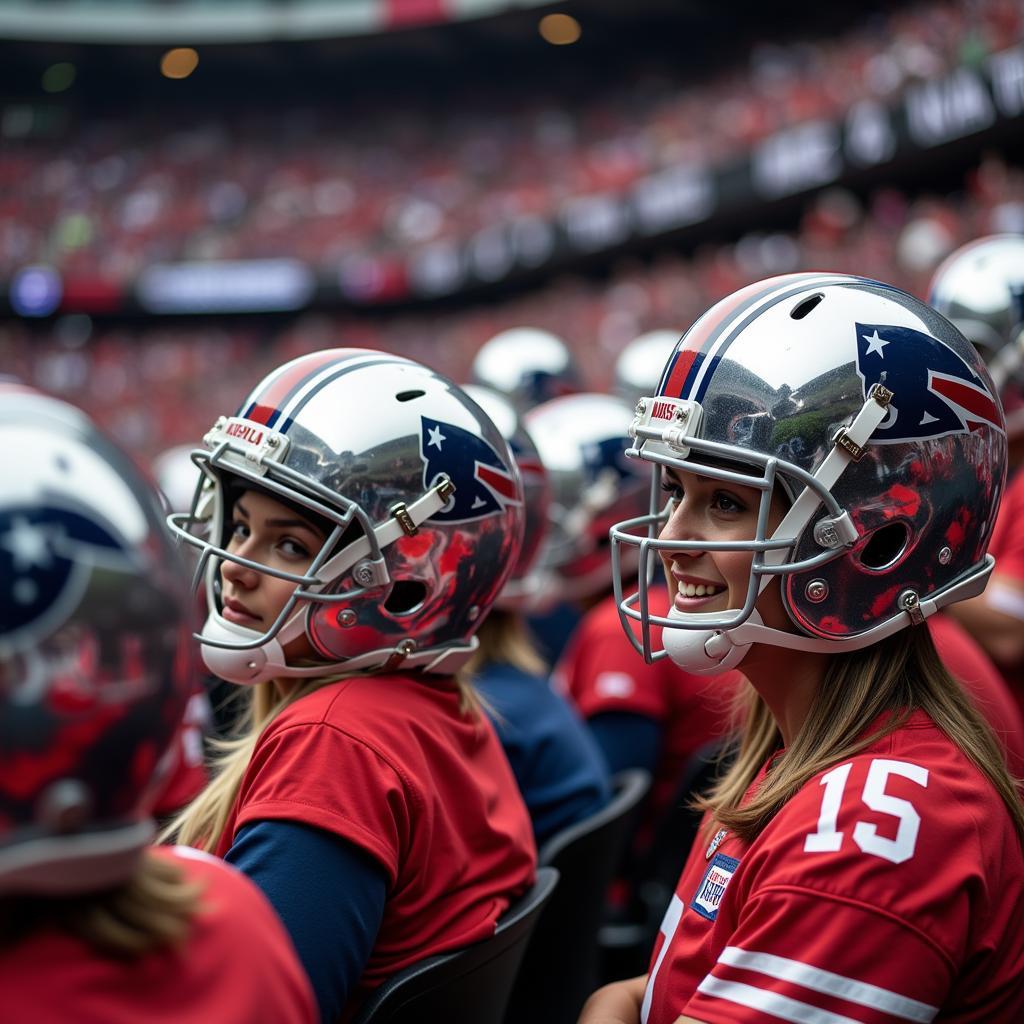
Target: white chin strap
x=261 y=664
x=703 y=652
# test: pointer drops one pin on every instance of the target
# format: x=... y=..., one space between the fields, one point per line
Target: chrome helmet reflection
x=423 y=501
x=581 y=441
x=876 y=418
x=527 y=365
x=516 y=593
x=95 y=644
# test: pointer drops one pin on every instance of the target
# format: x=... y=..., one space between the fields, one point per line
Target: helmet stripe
x=265 y=407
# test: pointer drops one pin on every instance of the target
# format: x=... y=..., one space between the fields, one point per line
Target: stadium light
x=559 y=29
x=179 y=62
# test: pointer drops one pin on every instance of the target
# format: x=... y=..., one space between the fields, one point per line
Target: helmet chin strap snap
x=704 y=652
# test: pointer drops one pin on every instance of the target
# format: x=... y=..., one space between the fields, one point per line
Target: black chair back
x=470 y=984
x=560 y=968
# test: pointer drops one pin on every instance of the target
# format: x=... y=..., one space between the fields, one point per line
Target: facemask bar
x=322 y=569
x=847 y=445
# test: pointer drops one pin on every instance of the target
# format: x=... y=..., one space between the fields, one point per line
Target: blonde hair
x=202 y=822
x=153 y=910
x=505 y=639
x=898 y=675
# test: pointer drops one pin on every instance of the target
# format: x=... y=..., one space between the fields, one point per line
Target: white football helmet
x=876 y=418
x=420 y=490
x=527 y=365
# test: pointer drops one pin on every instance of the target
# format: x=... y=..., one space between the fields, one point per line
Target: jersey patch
x=483 y=486
x=708 y=896
x=935 y=392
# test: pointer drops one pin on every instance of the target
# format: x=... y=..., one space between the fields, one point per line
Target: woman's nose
x=239 y=575
x=680 y=525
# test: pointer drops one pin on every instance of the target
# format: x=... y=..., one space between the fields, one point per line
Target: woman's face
x=714 y=510
x=267 y=531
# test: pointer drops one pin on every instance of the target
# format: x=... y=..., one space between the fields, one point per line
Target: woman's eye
x=672 y=489
x=293 y=549
x=239 y=530
x=727 y=503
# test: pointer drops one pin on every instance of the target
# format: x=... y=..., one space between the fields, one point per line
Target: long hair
x=151 y=911
x=864 y=696
x=202 y=822
x=504 y=639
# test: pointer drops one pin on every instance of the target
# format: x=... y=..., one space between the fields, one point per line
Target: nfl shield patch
x=713 y=885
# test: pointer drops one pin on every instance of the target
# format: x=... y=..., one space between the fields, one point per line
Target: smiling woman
x=868 y=806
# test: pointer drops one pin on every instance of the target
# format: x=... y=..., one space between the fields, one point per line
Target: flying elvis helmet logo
x=45 y=554
x=935 y=392
x=483 y=486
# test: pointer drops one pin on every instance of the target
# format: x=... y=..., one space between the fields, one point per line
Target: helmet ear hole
x=886 y=546
x=406 y=596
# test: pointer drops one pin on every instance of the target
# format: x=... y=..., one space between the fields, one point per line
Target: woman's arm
x=617 y=1003
x=329 y=894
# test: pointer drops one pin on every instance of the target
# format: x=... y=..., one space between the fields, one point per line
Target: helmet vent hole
x=408 y=396
x=804 y=306
x=406 y=596
x=886 y=546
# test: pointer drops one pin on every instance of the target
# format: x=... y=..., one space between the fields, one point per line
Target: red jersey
x=185 y=769
x=1007 y=546
x=971 y=666
x=887 y=890
x=390 y=764
x=237 y=966
x=602 y=672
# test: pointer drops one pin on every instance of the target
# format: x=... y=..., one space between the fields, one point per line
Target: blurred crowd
x=367 y=177
x=160 y=385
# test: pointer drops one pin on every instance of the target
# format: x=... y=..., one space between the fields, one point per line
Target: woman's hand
x=617 y=1003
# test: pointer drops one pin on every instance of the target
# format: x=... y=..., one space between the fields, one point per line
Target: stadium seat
x=470 y=984
x=626 y=945
x=559 y=970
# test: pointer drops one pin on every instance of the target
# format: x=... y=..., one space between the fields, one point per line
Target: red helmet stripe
x=262 y=407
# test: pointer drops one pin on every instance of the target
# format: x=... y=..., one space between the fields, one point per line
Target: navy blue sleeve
x=628 y=740
x=329 y=894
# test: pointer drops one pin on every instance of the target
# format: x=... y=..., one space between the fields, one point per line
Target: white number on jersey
x=827 y=839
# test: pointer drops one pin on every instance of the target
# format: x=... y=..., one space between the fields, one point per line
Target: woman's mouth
x=691 y=595
x=236 y=612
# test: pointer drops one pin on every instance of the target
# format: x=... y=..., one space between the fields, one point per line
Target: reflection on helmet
x=581 y=440
x=878 y=420
x=536 y=491
x=527 y=365
x=639 y=364
x=420 y=490
x=94 y=651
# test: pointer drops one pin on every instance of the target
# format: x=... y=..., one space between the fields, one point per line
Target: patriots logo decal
x=44 y=558
x=935 y=392
x=483 y=486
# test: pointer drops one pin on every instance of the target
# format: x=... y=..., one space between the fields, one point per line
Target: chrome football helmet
x=876 y=418
x=516 y=593
x=980 y=287
x=527 y=365
x=581 y=439
x=95 y=638
x=639 y=364
x=422 y=497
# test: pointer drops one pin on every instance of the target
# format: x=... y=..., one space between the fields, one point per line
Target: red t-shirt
x=887 y=890
x=390 y=764
x=602 y=672
x=971 y=666
x=237 y=966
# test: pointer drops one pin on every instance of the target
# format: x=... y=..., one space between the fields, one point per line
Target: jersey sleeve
x=320 y=775
x=601 y=672
x=811 y=956
x=1007 y=542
